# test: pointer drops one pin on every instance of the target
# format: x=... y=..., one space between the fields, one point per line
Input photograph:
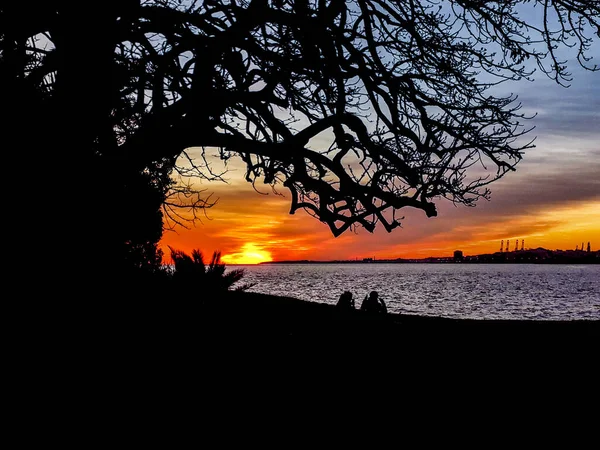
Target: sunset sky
x=551 y=201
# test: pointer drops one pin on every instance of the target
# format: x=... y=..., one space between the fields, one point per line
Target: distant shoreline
x=529 y=256
x=411 y=261
x=288 y=319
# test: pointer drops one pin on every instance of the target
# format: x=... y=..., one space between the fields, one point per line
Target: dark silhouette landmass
x=152 y=336
x=282 y=316
x=253 y=325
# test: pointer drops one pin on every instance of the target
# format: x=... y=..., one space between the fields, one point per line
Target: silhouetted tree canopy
x=359 y=108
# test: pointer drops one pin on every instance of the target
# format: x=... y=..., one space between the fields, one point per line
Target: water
x=478 y=291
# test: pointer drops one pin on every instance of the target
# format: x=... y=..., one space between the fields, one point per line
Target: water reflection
x=491 y=291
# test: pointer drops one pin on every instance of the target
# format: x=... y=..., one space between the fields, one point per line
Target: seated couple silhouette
x=371 y=304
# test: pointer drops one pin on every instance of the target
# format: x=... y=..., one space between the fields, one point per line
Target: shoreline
x=250 y=329
x=242 y=332
x=288 y=316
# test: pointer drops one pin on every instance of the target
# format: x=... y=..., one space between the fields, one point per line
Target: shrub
x=211 y=277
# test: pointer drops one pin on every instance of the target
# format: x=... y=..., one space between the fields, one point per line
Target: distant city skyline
x=527 y=255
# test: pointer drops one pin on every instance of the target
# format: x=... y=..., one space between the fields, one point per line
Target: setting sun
x=250 y=253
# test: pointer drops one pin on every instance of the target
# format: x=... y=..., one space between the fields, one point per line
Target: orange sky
x=551 y=201
x=248 y=228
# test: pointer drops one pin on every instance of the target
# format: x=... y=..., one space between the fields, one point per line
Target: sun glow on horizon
x=250 y=253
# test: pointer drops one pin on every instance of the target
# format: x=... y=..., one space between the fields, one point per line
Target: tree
x=358 y=108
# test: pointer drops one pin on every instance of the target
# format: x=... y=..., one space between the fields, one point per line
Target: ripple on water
x=530 y=291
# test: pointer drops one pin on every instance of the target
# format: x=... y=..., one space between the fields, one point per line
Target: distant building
x=458 y=255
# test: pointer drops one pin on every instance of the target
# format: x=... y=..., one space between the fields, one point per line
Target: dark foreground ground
x=247 y=326
x=240 y=344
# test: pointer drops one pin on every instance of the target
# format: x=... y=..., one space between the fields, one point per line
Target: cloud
x=562 y=111
x=551 y=199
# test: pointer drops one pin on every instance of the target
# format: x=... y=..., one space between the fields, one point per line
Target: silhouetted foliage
x=192 y=270
x=359 y=108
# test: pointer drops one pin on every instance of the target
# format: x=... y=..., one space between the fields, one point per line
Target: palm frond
x=211 y=278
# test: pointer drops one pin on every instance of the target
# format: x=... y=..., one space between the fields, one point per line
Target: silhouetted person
x=373 y=304
x=346 y=301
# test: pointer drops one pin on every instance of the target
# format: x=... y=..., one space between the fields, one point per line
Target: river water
x=478 y=291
